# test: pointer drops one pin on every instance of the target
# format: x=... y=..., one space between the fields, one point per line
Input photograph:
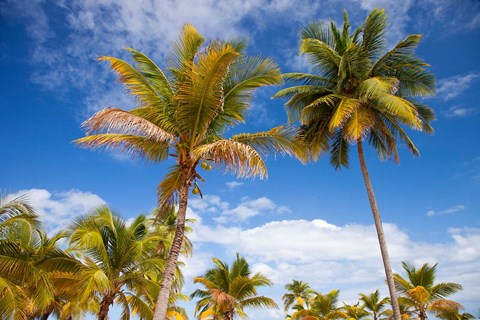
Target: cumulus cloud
x=452 y=87
x=332 y=256
x=454 y=209
x=57 y=210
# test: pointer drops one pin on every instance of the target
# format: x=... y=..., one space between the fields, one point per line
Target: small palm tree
x=354 y=312
x=120 y=262
x=184 y=113
x=229 y=290
x=420 y=292
x=360 y=96
x=375 y=305
x=298 y=293
x=320 y=307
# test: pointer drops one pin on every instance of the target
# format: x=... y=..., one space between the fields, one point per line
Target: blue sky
x=305 y=222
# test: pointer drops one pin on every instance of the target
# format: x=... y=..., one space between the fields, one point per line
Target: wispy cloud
x=454 y=209
x=459 y=112
x=234 y=184
x=452 y=87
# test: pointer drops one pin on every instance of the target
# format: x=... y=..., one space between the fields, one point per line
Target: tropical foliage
x=228 y=290
x=183 y=111
x=360 y=94
x=421 y=294
x=106 y=261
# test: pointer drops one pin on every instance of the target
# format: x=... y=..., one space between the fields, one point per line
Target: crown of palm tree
x=421 y=293
x=359 y=94
x=228 y=290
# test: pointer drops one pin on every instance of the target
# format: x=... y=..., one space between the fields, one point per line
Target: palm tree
x=354 y=312
x=17 y=210
x=120 y=262
x=228 y=290
x=34 y=273
x=298 y=293
x=422 y=294
x=320 y=307
x=184 y=114
x=359 y=96
x=374 y=304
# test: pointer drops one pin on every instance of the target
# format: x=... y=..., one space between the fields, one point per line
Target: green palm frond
x=373 y=33
x=201 y=96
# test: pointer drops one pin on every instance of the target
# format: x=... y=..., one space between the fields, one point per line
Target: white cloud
x=234 y=184
x=58 y=210
x=331 y=256
x=454 y=209
x=346 y=257
x=449 y=88
x=459 y=112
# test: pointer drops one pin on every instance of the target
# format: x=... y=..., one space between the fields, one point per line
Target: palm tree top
x=360 y=92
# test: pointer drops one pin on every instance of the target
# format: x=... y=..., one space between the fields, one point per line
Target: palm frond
x=236 y=157
x=137 y=146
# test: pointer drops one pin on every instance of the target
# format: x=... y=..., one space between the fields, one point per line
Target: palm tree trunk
x=168 y=273
x=380 y=233
x=105 y=306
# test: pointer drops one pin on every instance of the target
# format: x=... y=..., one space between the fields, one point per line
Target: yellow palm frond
x=343 y=111
x=359 y=124
x=401 y=108
x=135 y=82
x=115 y=120
x=167 y=190
x=280 y=140
x=137 y=146
x=236 y=157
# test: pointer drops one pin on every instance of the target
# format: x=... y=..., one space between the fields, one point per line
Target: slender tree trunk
x=168 y=273
x=105 y=306
x=380 y=233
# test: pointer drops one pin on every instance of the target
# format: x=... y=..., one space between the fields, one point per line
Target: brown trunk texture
x=168 y=273
x=105 y=306
x=380 y=233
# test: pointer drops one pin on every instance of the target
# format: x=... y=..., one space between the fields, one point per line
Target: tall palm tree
x=320 y=307
x=298 y=293
x=374 y=304
x=230 y=289
x=183 y=113
x=421 y=293
x=358 y=96
x=120 y=262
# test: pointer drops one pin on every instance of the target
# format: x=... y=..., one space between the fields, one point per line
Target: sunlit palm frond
x=154 y=74
x=236 y=157
x=168 y=189
x=137 y=146
x=280 y=140
x=321 y=56
x=184 y=51
x=115 y=120
x=135 y=82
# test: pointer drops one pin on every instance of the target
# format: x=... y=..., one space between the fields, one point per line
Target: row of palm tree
x=418 y=295
x=359 y=94
x=99 y=260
